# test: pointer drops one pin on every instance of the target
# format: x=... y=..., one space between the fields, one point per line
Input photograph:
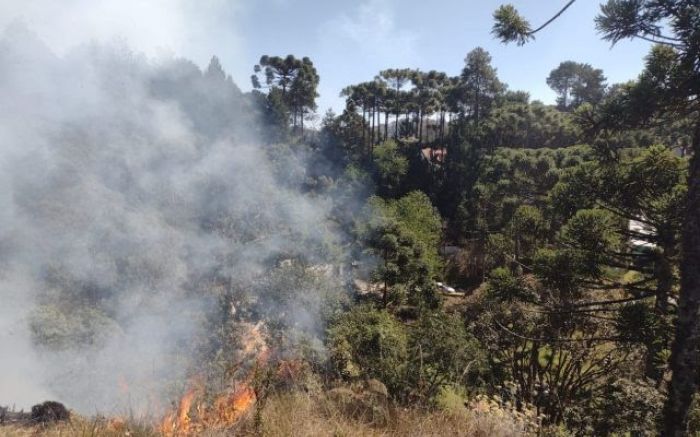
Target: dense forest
x=444 y=256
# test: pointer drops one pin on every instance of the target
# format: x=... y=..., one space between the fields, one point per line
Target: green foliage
x=369 y=343
x=441 y=354
x=509 y=25
x=402 y=266
x=405 y=234
x=625 y=407
x=503 y=286
x=576 y=84
x=294 y=82
x=562 y=271
x=528 y=230
x=636 y=321
x=273 y=114
x=479 y=85
x=593 y=230
x=416 y=217
x=298 y=298
x=529 y=125
x=416 y=363
x=512 y=177
x=341 y=138
x=390 y=167
x=57 y=328
x=500 y=250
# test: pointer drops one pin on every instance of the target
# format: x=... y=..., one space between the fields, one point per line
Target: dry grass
x=81 y=427
x=304 y=414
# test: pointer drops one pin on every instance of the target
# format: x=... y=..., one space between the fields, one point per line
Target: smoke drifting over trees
x=134 y=200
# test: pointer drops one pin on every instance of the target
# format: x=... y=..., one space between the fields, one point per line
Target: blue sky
x=349 y=41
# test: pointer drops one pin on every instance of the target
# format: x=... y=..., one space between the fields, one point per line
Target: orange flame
x=228 y=408
x=231 y=408
x=179 y=423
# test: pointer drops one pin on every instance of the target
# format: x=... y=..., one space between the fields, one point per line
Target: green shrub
x=368 y=343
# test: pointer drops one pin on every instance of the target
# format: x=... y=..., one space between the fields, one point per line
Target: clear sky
x=351 y=41
x=348 y=41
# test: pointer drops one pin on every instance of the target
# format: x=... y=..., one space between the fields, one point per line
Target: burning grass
x=275 y=397
x=195 y=414
x=302 y=413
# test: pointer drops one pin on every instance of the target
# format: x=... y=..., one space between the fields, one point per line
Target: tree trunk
x=364 y=136
x=386 y=125
x=663 y=271
x=685 y=359
x=442 y=128
x=371 y=130
x=398 y=109
x=385 y=294
x=420 y=128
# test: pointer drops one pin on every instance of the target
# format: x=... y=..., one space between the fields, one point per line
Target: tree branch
x=548 y=22
x=555 y=339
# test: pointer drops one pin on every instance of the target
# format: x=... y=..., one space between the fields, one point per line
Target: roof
x=434 y=156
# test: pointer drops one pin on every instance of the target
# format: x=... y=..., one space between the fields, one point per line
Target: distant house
x=434 y=156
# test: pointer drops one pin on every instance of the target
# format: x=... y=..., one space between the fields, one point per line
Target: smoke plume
x=128 y=189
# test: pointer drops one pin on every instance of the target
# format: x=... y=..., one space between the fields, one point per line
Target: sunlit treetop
x=510 y=26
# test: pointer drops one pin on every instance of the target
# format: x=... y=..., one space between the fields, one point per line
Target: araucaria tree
x=670 y=85
x=479 y=85
x=295 y=79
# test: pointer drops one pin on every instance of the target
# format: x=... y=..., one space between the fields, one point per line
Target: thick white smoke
x=120 y=190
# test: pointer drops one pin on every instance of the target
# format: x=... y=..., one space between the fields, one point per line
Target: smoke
x=190 y=27
x=128 y=189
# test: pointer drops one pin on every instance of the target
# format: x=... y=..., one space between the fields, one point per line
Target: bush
x=503 y=286
x=49 y=411
x=369 y=343
x=626 y=407
x=442 y=353
x=57 y=329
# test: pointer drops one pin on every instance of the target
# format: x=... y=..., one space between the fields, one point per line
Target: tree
x=369 y=342
x=510 y=26
x=390 y=168
x=556 y=361
x=441 y=353
x=529 y=125
x=303 y=91
x=396 y=79
x=479 y=83
x=402 y=271
x=671 y=84
x=405 y=234
x=341 y=138
x=427 y=95
x=416 y=216
x=296 y=79
x=576 y=84
x=356 y=96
